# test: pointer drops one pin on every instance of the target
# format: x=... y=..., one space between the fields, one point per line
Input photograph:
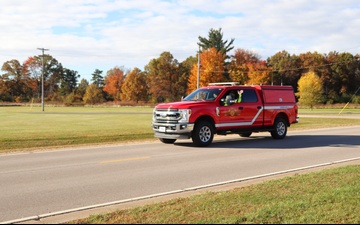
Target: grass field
x=27 y=128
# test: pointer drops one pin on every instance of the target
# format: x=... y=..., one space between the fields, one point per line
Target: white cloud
x=85 y=35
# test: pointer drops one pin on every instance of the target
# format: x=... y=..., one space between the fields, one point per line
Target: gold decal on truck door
x=232 y=112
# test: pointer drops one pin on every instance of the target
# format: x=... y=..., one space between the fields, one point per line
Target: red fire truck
x=226 y=108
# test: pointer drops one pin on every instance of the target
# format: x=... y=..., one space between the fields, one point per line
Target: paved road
x=42 y=183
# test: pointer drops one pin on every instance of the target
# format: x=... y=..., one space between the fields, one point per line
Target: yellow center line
x=124 y=160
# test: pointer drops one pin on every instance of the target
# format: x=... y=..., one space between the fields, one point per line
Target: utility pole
x=198 y=72
x=42 y=77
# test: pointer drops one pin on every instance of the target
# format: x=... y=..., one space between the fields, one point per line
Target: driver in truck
x=231 y=98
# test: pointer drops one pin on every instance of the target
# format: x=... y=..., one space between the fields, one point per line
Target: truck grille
x=165 y=115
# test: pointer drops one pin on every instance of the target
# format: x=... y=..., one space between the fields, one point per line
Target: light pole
x=198 y=72
x=42 y=78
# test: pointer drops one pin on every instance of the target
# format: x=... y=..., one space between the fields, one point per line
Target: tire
x=167 y=141
x=203 y=134
x=280 y=129
x=246 y=134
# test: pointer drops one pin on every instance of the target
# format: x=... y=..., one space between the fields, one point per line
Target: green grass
x=317 y=123
x=330 y=111
x=330 y=196
x=26 y=128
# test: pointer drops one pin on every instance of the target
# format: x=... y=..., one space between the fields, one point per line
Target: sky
x=85 y=35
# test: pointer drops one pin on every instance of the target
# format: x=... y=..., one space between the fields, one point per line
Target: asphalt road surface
x=39 y=185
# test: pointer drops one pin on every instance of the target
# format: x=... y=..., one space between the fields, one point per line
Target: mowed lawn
x=27 y=128
x=30 y=127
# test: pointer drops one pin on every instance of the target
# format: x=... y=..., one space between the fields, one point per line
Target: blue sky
x=85 y=35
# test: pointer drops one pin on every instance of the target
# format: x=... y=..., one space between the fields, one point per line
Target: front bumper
x=173 y=131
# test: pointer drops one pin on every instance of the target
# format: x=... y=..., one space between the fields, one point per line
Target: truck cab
x=226 y=108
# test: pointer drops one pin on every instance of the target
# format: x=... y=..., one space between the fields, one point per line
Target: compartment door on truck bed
x=278 y=99
x=244 y=111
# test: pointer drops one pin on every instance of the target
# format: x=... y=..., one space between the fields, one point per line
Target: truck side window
x=229 y=98
x=249 y=96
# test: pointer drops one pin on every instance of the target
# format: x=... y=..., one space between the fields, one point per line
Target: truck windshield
x=205 y=94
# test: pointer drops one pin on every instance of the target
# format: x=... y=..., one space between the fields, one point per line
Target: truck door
x=243 y=112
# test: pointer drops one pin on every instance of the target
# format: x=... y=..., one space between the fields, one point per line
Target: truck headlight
x=184 y=115
x=154 y=115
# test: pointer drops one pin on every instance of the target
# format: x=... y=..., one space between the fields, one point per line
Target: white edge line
x=171 y=192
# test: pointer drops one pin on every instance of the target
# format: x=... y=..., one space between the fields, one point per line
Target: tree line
x=165 y=79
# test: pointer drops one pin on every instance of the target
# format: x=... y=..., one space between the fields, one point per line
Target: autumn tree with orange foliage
x=211 y=71
x=164 y=76
x=239 y=65
x=14 y=80
x=32 y=69
x=114 y=80
x=259 y=73
x=135 y=87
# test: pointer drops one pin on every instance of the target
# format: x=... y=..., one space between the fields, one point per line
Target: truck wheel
x=245 y=134
x=280 y=129
x=203 y=134
x=167 y=141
